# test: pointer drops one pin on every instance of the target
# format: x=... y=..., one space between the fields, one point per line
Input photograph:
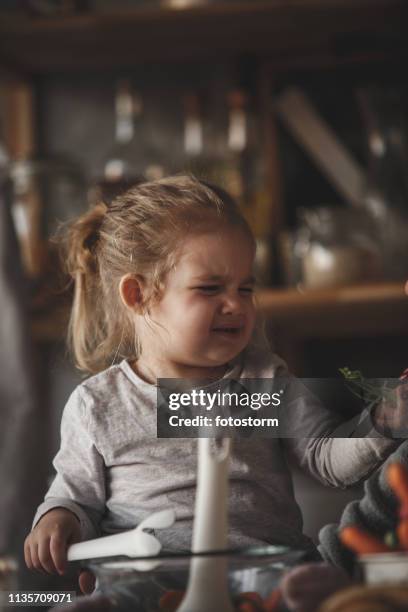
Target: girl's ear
x=131 y=291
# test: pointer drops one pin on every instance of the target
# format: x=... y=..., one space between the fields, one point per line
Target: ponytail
x=80 y=253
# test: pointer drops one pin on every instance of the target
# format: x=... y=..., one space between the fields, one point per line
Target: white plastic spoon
x=158 y=520
x=133 y=543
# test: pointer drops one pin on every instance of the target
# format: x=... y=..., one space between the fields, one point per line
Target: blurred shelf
x=275 y=28
x=368 y=310
x=363 y=310
x=52 y=325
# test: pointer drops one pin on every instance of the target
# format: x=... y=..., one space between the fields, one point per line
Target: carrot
x=362 y=542
x=402 y=533
x=249 y=606
x=170 y=601
x=397 y=477
x=271 y=603
x=250 y=602
x=403 y=511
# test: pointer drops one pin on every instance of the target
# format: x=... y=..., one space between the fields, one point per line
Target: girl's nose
x=232 y=304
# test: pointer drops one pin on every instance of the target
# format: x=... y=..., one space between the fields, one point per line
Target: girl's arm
x=79 y=485
x=341 y=462
x=329 y=449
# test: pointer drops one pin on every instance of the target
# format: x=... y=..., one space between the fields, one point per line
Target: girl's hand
x=392 y=420
x=45 y=548
x=86 y=582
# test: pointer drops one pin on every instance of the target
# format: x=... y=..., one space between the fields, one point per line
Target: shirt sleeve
x=79 y=484
x=330 y=449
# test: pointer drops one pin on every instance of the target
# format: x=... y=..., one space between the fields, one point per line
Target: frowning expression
x=206 y=314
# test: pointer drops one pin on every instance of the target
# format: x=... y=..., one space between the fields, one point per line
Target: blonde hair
x=139 y=233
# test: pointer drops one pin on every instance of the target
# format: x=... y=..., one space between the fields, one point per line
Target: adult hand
x=306 y=586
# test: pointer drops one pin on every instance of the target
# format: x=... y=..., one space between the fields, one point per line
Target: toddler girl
x=164 y=289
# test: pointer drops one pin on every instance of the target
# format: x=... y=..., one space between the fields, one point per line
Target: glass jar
x=336 y=247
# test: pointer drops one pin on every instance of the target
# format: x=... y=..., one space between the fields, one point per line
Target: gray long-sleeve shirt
x=112 y=470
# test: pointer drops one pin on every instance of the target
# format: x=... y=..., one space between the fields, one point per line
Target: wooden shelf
x=101 y=41
x=367 y=310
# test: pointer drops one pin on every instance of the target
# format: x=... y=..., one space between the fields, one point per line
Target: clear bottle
x=193 y=138
x=386 y=195
x=245 y=178
x=132 y=159
x=206 y=155
x=236 y=157
x=201 y=157
x=242 y=163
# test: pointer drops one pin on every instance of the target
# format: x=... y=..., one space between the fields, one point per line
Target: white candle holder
x=207 y=588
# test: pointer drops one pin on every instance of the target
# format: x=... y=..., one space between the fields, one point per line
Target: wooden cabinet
x=266 y=39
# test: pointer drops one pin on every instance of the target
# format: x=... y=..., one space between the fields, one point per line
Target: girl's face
x=206 y=314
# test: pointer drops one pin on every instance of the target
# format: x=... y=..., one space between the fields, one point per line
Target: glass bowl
x=385 y=568
x=157 y=585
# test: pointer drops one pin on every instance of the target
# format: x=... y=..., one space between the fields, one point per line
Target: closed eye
x=246 y=289
x=209 y=288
